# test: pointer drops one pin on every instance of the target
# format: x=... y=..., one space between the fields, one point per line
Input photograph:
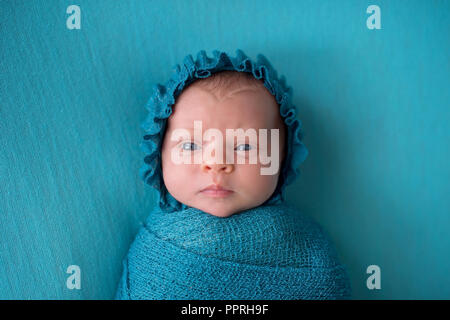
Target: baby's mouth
x=216 y=191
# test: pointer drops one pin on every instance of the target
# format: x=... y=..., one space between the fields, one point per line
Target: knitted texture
x=164 y=96
x=268 y=252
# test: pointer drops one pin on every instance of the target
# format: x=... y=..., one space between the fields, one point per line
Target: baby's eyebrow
x=169 y=135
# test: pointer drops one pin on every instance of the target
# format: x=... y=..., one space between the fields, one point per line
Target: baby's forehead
x=196 y=92
x=245 y=103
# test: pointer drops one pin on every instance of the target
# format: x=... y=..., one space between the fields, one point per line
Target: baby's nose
x=215 y=160
x=217 y=167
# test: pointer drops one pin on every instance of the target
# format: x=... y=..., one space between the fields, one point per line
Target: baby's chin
x=222 y=207
x=220 y=210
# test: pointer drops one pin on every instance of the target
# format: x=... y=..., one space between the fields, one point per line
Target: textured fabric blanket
x=268 y=252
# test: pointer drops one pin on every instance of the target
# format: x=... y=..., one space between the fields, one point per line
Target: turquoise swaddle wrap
x=267 y=252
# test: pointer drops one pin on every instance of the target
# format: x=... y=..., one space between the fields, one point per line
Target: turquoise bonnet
x=164 y=96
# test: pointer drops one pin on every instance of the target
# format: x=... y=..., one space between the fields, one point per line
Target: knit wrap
x=268 y=252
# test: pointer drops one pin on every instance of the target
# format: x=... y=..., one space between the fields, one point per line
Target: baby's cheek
x=256 y=183
x=174 y=175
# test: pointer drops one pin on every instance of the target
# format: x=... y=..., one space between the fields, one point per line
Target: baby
x=222 y=142
x=226 y=100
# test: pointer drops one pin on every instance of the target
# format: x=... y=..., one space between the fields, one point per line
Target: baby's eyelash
x=245 y=144
x=190 y=145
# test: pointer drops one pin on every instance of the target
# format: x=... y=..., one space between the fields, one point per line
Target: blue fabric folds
x=268 y=252
x=164 y=97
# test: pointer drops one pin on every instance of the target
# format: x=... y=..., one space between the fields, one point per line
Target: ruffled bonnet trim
x=164 y=97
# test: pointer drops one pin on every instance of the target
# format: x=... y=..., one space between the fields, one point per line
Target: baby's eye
x=243 y=147
x=189 y=146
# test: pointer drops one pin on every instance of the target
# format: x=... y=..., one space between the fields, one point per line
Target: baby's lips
x=216 y=191
x=215 y=187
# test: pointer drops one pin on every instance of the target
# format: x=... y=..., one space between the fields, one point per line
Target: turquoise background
x=374 y=106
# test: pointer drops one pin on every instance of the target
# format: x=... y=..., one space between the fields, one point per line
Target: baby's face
x=245 y=186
